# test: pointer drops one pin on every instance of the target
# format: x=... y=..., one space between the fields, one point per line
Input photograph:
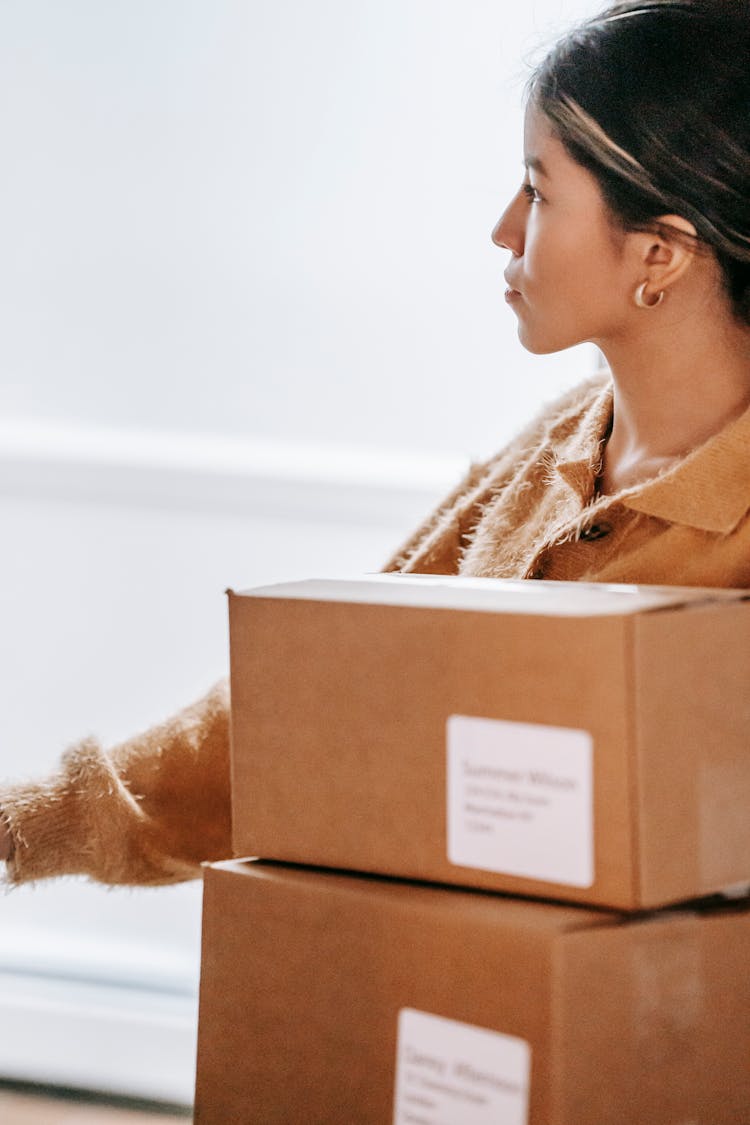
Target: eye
x=531 y=193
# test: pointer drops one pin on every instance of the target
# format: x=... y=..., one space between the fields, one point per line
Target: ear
x=664 y=258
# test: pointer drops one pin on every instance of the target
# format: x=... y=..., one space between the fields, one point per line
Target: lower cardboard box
x=333 y=999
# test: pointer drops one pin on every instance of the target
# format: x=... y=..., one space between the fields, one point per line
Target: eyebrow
x=535 y=163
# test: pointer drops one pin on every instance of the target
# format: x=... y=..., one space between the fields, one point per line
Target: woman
x=632 y=230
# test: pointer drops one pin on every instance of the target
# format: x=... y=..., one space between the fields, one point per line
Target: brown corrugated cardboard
x=332 y=999
x=574 y=741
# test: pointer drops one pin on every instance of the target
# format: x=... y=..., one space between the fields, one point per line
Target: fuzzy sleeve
x=147 y=812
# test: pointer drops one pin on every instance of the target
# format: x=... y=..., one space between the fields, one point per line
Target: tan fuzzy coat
x=150 y=810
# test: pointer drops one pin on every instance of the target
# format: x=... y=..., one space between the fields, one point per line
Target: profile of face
x=570 y=269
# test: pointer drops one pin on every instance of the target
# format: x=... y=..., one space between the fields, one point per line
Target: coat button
x=594 y=531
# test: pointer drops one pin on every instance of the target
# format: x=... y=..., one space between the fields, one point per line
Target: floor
x=22 y=1104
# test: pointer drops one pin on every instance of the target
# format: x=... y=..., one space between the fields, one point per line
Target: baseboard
x=100 y=1017
x=135 y=1043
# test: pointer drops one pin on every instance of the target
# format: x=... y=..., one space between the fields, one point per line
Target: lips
x=509 y=283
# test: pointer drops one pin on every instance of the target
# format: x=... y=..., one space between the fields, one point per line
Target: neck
x=674 y=387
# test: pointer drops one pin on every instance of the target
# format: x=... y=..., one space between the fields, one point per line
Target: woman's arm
x=147 y=812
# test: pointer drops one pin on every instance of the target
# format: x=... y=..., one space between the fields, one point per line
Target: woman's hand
x=6 y=842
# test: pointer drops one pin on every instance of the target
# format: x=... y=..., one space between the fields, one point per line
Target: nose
x=508 y=232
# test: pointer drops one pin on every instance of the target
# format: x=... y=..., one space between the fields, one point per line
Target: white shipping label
x=520 y=799
x=451 y=1073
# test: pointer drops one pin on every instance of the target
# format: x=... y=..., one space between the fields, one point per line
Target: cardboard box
x=332 y=999
x=574 y=741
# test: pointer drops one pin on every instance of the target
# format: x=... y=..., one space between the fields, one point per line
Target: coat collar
x=578 y=442
x=708 y=489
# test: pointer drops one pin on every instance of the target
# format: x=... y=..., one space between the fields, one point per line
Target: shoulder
x=578 y=399
x=560 y=418
x=563 y=414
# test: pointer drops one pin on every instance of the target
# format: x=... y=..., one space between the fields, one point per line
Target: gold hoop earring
x=640 y=297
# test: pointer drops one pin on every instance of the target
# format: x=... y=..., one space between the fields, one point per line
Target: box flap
x=497 y=595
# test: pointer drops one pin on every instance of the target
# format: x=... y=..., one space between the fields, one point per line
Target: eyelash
x=531 y=193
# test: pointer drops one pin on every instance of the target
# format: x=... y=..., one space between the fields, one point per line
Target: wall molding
x=199 y=472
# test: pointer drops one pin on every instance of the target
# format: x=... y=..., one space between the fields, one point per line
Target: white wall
x=252 y=328
x=267 y=217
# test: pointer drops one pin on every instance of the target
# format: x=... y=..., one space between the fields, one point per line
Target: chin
x=540 y=346
x=540 y=343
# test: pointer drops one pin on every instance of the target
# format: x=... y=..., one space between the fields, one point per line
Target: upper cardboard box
x=576 y=741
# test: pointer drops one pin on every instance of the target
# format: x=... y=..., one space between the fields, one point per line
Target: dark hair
x=653 y=98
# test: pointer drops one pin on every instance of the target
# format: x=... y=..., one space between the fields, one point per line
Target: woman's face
x=571 y=278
